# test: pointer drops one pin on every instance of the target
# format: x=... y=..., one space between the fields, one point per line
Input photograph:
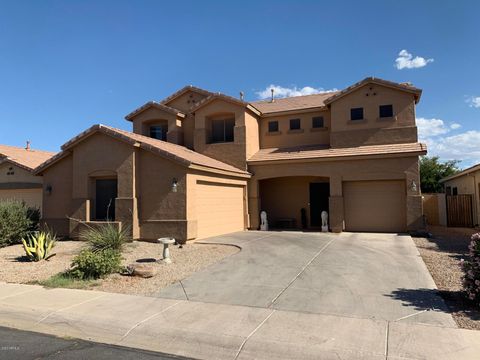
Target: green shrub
x=38 y=245
x=106 y=237
x=16 y=221
x=94 y=265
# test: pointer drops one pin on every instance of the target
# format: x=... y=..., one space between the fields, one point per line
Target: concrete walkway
x=373 y=276
x=219 y=331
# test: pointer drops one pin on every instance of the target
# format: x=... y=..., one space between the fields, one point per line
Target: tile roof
x=27 y=159
x=325 y=152
x=157 y=105
x=224 y=97
x=172 y=151
x=292 y=103
x=466 y=171
x=183 y=90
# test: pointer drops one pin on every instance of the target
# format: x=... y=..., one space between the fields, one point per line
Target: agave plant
x=38 y=245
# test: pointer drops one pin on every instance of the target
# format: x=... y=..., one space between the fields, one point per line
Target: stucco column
x=414 y=202
x=254 y=204
x=126 y=204
x=335 y=203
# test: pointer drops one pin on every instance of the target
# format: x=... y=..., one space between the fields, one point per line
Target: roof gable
x=372 y=80
x=226 y=98
x=183 y=91
x=156 y=105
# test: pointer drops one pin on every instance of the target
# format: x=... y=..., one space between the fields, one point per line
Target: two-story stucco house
x=199 y=164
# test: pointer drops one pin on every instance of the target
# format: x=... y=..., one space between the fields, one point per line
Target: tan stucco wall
x=186 y=101
x=468 y=184
x=58 y=205
x=287 y=138
x=155 y=116
x=20 y=175
x=399 y=168
x=373 y=130
x=233 y=153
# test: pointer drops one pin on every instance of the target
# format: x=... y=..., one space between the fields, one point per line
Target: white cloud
x=474 y=101
x=405 y=60
x=281 y=92
x=431 y=127
x=444 y=141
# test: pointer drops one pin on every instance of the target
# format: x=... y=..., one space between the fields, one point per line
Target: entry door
x=319 y=194
x=106 y=193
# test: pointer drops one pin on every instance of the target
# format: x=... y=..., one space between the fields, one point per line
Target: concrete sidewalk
x=218 y=331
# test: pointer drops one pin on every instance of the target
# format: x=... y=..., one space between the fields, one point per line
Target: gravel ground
x=191 y=258
x=442 y=254
x=185 y=261
x=15 y=268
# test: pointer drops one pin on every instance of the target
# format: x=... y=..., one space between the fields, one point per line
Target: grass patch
x=64 y=280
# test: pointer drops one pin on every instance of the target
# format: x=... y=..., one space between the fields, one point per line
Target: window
x=385 y=111
x=159 y=132
x=448 y=190
x=294 y=124
x=273 y=126
x=222 y=130
x=455 y=191
x=317 y=122
x=356 y=114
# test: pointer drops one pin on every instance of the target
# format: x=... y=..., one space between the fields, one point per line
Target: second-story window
x=273 y=126
x=385 y=111
x=294 y=124
x=222 y=130
x=317 y=122
x=159 y=132
x=356 y=114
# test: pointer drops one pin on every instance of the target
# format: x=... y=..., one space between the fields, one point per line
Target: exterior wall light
x=49 y=189
x=413 y=186
x=174 y=185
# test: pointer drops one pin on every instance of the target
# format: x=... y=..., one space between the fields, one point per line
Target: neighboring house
x=17 y=180
x=466 y=182
x=200 y=164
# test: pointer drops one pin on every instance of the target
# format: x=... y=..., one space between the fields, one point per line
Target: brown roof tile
x=324 y=152
x=27 y=159
x=172 y=151
x=292 y=103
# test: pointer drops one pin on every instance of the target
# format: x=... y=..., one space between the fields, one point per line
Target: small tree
x=471 y=268
x=432 y=171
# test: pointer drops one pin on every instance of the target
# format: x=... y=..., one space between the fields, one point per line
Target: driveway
x=377 y=276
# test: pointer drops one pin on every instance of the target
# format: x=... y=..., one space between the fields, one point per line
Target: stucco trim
x=20 y=185
x=221 y=172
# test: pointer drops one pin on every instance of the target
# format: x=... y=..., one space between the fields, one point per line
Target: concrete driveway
x=377 y=276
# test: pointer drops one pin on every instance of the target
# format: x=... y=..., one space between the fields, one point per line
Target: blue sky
x=65 y=65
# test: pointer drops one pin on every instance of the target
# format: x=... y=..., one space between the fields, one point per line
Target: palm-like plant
x=38 y=245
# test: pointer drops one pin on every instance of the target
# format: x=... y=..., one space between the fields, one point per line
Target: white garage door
x=220 y=209
x=31 y=197
x=376 y=206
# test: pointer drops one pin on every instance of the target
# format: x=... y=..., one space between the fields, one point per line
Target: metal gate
x=460 y=210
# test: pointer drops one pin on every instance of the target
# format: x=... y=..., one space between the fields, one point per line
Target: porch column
x=126 y=204
x=335 y=203
x=254 y=204
x=80 y=213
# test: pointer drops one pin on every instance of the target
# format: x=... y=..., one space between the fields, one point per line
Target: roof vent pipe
x=242 y=95
x=28 y=145
x=273 y=98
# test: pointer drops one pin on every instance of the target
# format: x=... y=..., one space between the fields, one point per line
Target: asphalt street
x=25 y=345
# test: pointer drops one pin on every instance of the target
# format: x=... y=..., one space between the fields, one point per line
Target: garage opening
x=295 y=202
x=375 y=206
x=220 y=208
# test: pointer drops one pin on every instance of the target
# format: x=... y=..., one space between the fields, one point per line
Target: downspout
x=475 y=186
